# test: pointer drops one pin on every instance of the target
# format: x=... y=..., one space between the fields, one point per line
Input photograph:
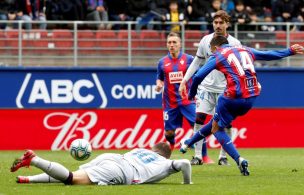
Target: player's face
x=220 y=26
x=174 y=45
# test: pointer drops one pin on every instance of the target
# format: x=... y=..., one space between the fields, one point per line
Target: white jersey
x=215 y=82
x=151 y=167
x=135 y=167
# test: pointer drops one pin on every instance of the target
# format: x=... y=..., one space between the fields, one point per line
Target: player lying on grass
x=236 y=63
x=135 y=167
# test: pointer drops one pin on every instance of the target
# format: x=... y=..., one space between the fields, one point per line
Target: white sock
x=223 y=152
x=53 y=169
x=42 y=178
x=198 y=145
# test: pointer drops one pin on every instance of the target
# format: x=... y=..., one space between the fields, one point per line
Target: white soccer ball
x=80 y=149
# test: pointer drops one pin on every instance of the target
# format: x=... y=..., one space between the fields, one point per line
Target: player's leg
x=205 y=104
x=189 y=113
x=53 y=169
x=223 y=160
x=81 y=177
x=40 y=178
x=173 y=120
x=201 y=146
x=226 y=111
x=203 y=133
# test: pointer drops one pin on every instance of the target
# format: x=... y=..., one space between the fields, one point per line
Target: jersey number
x=145 y=157
x=245 y=64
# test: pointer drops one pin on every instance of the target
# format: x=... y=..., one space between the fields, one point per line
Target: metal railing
x=76 y=43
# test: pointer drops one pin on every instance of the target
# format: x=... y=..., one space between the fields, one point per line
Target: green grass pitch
x=273 y=171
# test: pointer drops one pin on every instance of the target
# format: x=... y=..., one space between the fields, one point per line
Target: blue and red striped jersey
x=171 y=71
x=236 y=63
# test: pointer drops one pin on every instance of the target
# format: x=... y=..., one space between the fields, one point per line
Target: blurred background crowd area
x=146 y=11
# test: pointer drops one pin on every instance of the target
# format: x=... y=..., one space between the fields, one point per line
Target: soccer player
x=236 y=63
x=135 y=167
x=170 y=72
x=210 y=89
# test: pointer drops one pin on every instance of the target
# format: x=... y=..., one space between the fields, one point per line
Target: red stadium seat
x=281 y=38
x=152 y=42
x=63 y=41
x=106 y=42
x=192 y=38
x=2 y=42
x=39 y=42
x=12 y=40
x=123 y=39
x=86 y=42
x=296 y=37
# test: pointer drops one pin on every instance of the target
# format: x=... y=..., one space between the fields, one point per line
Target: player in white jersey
x=213 y=85
x=135 y=167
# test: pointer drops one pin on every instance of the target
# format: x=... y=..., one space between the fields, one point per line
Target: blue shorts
x=173 y=117
x=228 y=109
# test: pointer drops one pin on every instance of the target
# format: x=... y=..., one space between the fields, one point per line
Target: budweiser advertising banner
x=130 y=128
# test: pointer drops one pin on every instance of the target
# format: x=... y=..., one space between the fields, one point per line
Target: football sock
x=53 y=169
x=201 y=134
x=198 y=145
x=227 y=144
x=170 y=139
x=204 y=147
x=222 y=151
x=42 y=178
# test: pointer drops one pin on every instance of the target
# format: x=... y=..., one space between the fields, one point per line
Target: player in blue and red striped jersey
x=170 y=72
x=236 y=63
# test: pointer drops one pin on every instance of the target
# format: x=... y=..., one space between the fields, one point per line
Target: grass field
x=273 y=171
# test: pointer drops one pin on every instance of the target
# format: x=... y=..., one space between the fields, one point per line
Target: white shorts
x=206 y=102
x=109 y=169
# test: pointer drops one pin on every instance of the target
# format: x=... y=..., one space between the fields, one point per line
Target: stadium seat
x=192 y=38
x=2 y=42
x=296 y=37
x=152 y=42
x=123 y=39
x=12 y=40
x=39 y=42
x=281 y=38
x=63 y=41
x=106 y=42
x=86 y=42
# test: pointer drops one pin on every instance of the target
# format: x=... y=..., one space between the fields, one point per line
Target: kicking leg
x=229 y=147
x=201 y=134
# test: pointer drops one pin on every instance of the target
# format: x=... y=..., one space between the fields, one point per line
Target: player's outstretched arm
x=184 y=166
x=277 y=54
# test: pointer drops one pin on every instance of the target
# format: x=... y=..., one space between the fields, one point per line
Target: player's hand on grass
x=297 y=49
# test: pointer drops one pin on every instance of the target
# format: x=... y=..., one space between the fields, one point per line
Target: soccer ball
x=80 y=149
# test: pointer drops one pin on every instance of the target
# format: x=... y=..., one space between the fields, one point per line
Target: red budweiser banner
x=130 y=128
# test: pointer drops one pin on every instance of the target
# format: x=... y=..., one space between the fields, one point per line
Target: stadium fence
x=76 y=43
